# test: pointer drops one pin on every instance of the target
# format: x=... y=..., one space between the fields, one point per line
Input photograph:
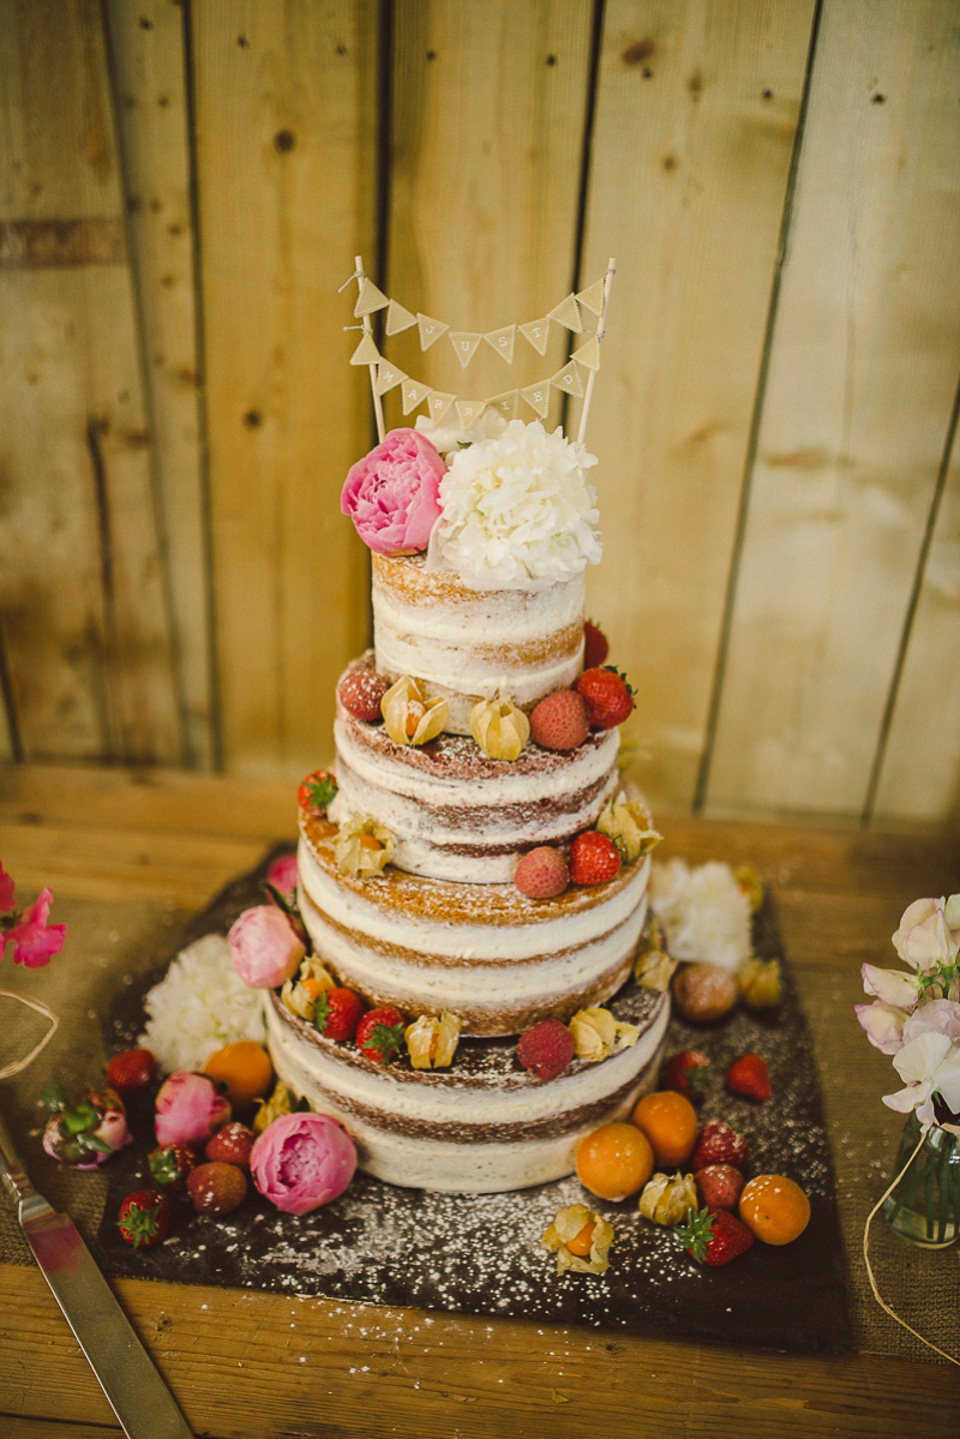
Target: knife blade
x=137 y=1394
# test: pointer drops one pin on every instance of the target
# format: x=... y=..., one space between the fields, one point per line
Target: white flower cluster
x=517 y=511
x=200 y=1005
x=703 y=911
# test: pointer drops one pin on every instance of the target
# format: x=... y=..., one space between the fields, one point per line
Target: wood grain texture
x=147 y=47
x=286 y=114
x=862 y=379
x=85 y=632
x=697 y=111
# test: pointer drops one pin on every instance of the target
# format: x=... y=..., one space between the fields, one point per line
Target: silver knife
x=137 y=1394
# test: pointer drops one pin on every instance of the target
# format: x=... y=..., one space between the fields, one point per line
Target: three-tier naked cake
x=458 y=753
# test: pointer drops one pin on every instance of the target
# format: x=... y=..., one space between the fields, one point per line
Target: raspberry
x=542 y=873
x=217 y=1188
x=594 y=858
x=360 y=693
x=546 y=1048
x=560 y=721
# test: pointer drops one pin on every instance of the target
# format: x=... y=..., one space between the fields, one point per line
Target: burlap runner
x=110 y=942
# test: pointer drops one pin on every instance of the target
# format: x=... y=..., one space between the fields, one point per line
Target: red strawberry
x=546 y=1048
x=609 y=698
x=130 y=1070
x=686 y=1072
x=719 y=1185
x=719 y=1143
x=595 y=646
x=170 y=1164
x=380 y=1033
x=749 y=1077
x=217 y=1188
x=317 y=791
x=714 y=1237
x=360 y=693
x=542 y=873
x=144 y=1218
x=560 y=721
x=231 y=1145
x=337 y=1013
x=594 y=858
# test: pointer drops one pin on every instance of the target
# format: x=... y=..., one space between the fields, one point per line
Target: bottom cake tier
x=483 y=1126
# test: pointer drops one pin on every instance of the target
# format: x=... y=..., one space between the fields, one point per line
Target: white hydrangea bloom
x=517 y=511
x=704 y=912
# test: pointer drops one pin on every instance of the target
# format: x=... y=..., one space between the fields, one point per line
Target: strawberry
x=170 y=1164
x=231 y=1145
x=595 y=646
x=542 y=873
x=686 y=1072
x=594 y=858
x=337 y=1012
x=713 y=1237
x=608 y=696
x=316 y=792
x=360 y=693
x=216 y=1187
x=380 y=1033
x=144 y=1218
x=719 y=1143
x=130 y=1070
x=560 y=721
x=719 y=1185
x=546 y=1048
x=749 y=1077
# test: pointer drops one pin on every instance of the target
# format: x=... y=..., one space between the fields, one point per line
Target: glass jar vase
x=924 y=1206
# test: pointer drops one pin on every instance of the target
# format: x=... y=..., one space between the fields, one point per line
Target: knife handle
x=13 y=1176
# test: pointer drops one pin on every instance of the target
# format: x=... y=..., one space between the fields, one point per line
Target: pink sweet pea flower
x=189 y=1109
x=34 y=941
x=302 y=1161
x=929 y=932
x=893 y=986
x=883 y=1024
x=7 y=890
x=393 y=494
x=264 y=947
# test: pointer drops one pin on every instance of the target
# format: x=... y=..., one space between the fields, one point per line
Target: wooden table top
x=245 y=1363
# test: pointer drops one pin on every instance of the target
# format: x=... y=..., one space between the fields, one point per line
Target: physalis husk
x=758 y=982
x=363 y=847
x=432 y=1042
x=629 y=824
x=280 y=1102
x=300 y=993
x=499 y=728
x=597 y=1034
x=667 y=1197
x=568 y=1224
x=408 y=716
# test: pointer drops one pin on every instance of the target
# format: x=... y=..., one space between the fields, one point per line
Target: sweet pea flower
x=303 y=1160
x=393 y=494
x=928 y=1064
x=883 y=1024
x=264 y=947
x=189 y=1109
x=929 y=932
x=891 y=986
x=33 y=940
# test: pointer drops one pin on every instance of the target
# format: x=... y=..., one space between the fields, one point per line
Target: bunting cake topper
x=581 y=314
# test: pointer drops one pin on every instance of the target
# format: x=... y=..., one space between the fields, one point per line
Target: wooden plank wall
x=185 y=184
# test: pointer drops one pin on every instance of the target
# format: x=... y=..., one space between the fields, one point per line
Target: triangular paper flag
x=538 y=398
x=398 y=319
x=568 y=313
x=538 y=333
x=430 y=330
x=414 y=394
x=593 y=297
x=505 y=405
x=369 y=299
x=568 y=380
x=589 y=354
x=438 y=404
x=388 y=377
x=503 y=341
x=464 y=344
x=366 y=352
x=470 y=411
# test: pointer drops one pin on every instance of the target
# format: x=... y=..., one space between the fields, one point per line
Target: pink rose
x=264 y=947
x=392 y=495
x=302 y=1161
x=189 y=1109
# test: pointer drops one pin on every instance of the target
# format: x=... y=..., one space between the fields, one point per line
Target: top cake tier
x=463 y=644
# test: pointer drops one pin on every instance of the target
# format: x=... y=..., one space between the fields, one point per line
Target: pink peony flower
x=264 y=947
x=34 y=941
x=282 y=874
x=302 y=1161
x=393 y=494
x=189 y=1109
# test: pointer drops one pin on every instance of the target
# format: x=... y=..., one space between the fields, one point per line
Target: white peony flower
x=517 y=511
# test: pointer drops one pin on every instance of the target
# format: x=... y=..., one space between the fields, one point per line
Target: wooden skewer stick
x=601 y=325
x=368 y=330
